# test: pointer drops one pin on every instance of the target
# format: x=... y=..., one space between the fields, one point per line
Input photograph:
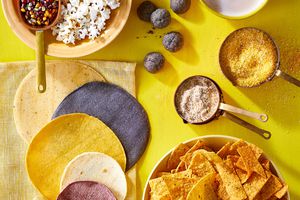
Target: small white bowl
x=215 y=142
x=238 y=7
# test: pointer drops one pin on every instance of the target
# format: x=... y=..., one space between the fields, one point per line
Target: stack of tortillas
x=98 y=132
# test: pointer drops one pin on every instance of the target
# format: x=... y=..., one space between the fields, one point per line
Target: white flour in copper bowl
x=197 y=99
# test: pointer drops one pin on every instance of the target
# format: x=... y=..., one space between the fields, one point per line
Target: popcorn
x=83 y=19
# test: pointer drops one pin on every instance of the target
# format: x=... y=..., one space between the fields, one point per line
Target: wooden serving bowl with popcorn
x=214 y=143
x=53 y=47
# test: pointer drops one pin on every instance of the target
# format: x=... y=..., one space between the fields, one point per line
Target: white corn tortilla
x=98 y=167
x=33 y=110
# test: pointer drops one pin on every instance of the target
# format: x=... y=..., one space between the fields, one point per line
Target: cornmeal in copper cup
x=249 y=57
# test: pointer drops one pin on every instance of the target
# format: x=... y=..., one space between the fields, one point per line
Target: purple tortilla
x=119 y=110
x=87 y=190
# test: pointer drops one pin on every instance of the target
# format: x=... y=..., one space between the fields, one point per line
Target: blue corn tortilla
x=87 y=190
x=119 y=110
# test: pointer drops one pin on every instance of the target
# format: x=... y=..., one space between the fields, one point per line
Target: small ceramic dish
x=234 y=9
x=56 y=48
x=215 y=142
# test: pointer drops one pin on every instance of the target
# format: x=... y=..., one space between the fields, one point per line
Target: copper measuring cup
x=40 y=51
x=221 y=109
x=277 y=71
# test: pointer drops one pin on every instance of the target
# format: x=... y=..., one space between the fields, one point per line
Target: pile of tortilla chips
x=237 y=171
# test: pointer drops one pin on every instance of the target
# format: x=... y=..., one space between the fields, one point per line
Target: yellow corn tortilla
x=38 y=108
x=63 y=139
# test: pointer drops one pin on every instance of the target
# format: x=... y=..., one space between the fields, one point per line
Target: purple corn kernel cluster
x=39 y=12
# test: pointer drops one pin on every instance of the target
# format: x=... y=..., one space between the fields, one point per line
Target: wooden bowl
x=215 y=142
x=56 y=48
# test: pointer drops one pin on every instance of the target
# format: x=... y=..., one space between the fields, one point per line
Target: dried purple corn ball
x=145 y=10
x=173 y=41
x=160 y=18
x=154 y=61
x=180 y=6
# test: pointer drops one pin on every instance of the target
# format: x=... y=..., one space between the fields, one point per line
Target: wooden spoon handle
x=288 y=78
x=229 y=108
x=40 y=62
x=265 y=134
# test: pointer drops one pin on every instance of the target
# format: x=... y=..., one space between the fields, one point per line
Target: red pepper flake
x=39 y=12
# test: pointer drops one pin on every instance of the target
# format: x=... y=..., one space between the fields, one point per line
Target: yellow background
x=204 y=33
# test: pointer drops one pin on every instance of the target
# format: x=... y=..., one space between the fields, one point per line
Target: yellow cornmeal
x=248 y=57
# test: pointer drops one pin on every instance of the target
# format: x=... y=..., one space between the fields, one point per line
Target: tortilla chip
x=240 y=164
x=254 y=184
x=200 y=165
x=159 y=174
x=272 y=186
x=233 y=148
x=159 y=190
x=273 y=198
x=186 y=159
x=182 y=165
x=281 y=192
x=174 y=159
x=221 y=190
x=179 y=184
x=250 y=161
x=231 y=181
x=223 y=152
x=257 y=151
x=184 y=174
x=233 y=158
x=211 y=156
x=204 y=189
x=199 y=144
x=266 y=164
x=242 y=175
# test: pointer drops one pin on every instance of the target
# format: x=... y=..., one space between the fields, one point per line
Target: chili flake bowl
x=56 y=48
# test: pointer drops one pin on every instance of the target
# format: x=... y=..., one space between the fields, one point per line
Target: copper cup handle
x=265 y=134
x=287 y=77
x=258 y=116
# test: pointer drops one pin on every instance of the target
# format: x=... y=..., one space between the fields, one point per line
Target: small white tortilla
x=99 y=167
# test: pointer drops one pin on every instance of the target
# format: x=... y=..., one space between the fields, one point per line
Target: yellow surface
x=204 y=33
x=63 y=139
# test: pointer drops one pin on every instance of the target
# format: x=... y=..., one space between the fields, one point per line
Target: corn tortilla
x=63 y=139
